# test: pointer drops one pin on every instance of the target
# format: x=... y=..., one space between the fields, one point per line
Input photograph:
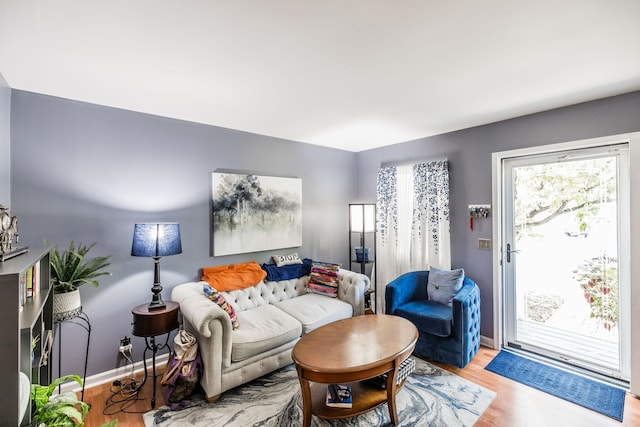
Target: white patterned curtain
x=412 y=221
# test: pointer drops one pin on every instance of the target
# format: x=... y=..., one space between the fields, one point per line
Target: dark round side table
x=150 y=324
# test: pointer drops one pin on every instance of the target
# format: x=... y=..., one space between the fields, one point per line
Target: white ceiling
x=348 y=74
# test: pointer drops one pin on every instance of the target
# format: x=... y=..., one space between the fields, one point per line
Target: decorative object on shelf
x=362 y=254
x=254 y=213
x=9 y=234
x=362 y=220
x=69 y=271
x=362 y=231
x=478 y=211
x=34 y=343
x=156 y=240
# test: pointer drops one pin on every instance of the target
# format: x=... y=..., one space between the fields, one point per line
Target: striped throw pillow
x=324 y=279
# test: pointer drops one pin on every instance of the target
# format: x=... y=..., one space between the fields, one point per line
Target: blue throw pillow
x=443 y=285
x=286 y=272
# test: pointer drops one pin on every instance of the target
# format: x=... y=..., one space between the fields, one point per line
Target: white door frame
x=633 y=140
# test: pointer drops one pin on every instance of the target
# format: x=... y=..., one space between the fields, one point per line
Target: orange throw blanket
x=233 y=276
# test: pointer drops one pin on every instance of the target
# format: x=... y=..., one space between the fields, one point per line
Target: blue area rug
x=594 y=395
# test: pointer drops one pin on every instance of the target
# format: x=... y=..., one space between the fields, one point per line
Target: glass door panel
x=563 y=258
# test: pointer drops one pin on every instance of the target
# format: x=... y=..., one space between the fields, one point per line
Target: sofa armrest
x=405 y=288
x=351 y=288
x=209 y=322
x=466 y=316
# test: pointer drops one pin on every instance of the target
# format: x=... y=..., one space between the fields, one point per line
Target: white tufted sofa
x=272 y=315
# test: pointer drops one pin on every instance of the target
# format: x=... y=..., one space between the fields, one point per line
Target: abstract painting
x=254 y=213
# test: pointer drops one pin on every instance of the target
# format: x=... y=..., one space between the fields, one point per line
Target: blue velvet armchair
x=449 y=335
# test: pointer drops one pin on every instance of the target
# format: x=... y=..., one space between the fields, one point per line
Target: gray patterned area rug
x=430 y=397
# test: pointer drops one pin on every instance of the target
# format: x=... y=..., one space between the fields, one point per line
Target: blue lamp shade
x=156 y=240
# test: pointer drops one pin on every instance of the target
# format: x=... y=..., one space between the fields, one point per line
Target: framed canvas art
x=254 y=213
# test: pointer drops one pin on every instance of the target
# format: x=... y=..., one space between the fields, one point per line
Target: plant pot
x=66 y=305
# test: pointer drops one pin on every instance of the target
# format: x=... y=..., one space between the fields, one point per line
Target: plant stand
x=82 y=320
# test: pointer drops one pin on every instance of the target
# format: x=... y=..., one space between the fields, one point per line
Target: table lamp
x=156 y=240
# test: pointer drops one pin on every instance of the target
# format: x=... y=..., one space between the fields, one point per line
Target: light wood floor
x=515 y=404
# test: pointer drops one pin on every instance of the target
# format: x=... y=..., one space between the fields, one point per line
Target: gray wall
x=469 y=153
x=5 y=145
x=87 y=173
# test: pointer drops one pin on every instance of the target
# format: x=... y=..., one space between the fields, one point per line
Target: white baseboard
x=487 y=342
x=161 y=361
x=116 y=374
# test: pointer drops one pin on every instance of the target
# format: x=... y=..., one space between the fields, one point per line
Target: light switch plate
x=484 y=244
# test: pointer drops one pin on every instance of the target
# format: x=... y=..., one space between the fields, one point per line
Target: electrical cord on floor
x=124 y=393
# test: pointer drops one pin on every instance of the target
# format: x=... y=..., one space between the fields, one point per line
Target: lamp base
x=155 y=305
x=156 y=301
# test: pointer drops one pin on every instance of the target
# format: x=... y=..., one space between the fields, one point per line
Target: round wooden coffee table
x=347 y=352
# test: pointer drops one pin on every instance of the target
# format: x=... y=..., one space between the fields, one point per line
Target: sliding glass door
x=566 y=260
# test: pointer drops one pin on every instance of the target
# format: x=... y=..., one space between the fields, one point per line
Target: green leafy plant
x=63 y=409
x=598 y=278
x=34 y=342
x=70 y=269
x=60 y=410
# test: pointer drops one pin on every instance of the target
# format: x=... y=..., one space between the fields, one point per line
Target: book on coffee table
x=339 y=396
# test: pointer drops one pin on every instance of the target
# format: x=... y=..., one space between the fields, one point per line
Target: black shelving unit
x=26 y=314
x=362 y=246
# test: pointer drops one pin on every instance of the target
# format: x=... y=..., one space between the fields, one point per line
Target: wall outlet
x=484 y=244
x=125 y=345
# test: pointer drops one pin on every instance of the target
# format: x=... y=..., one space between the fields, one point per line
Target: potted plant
x=62 y=409
x=70 y=270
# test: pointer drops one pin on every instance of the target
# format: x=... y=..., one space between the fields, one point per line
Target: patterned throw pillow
x=324 y=279
x=217 y=297
x=443 y=285
x=281 y=260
